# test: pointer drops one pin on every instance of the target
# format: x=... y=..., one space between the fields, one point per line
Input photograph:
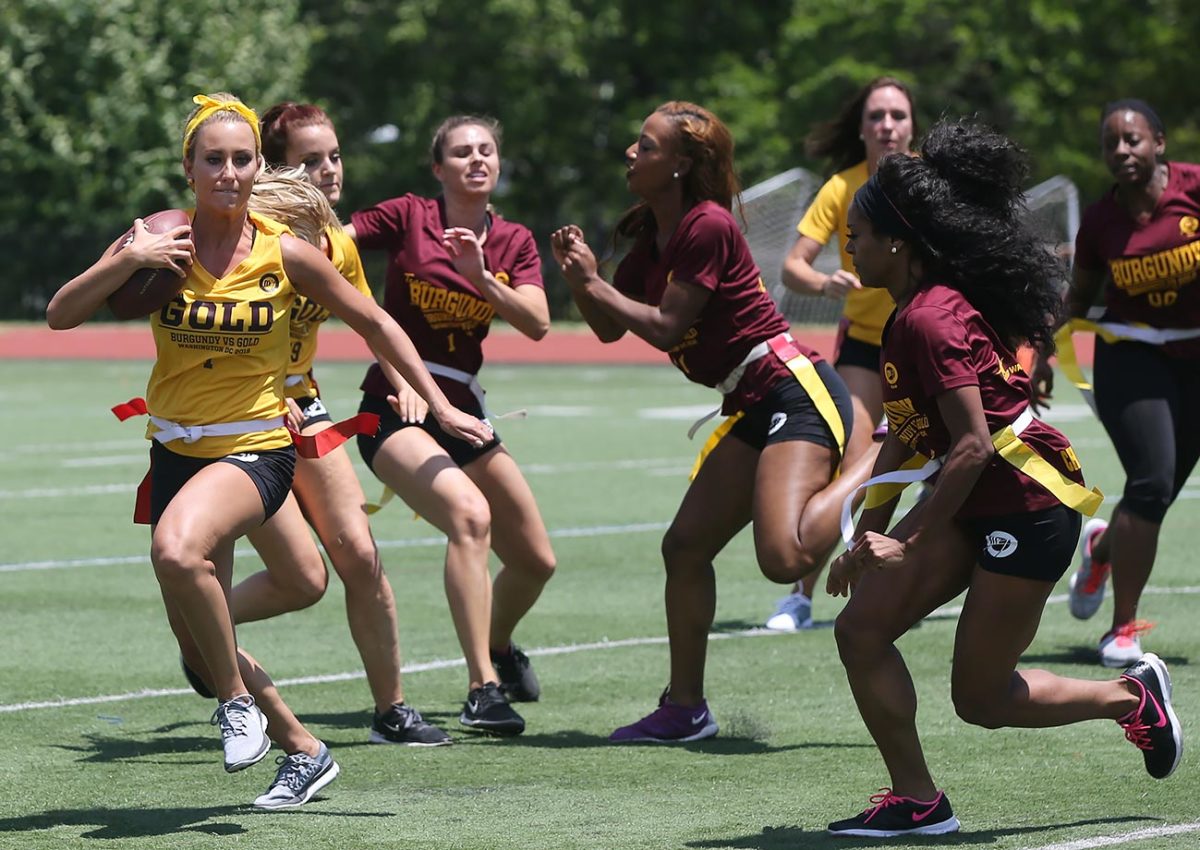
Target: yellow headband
x=208 y=107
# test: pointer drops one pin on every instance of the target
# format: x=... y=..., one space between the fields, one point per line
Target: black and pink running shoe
x=891 y=815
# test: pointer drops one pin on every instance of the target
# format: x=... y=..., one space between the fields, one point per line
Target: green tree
x=94 y=97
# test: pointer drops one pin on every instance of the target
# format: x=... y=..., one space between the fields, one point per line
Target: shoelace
x=1137 y=730
x=488 y=695
x=880 y=801
x=1138 y=733
x=1129 y=631
x=231 y=723
x=407 y=717
x=294 y=771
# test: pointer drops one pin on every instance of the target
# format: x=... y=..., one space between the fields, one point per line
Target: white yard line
x=447 y=663
x=1123 y=838
x=412 y=543
x=407 y=669
x=651 y=465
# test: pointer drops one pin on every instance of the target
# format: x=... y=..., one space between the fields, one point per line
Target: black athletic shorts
x=787 y=413
x=854 y=352
x=313 y=409
x=271 y=471
x=460 y=451
x=1036 y=544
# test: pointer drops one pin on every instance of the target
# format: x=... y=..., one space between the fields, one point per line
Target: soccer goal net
x=773 y=208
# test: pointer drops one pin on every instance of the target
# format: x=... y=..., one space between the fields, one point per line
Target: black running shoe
x=195 y=681
x=517 y=679
x=487 y=709
x=1153 y=727
x=891 y=815
x=403 y=724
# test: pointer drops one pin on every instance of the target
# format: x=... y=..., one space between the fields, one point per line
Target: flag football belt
x=1110 y=332
x=882 y=489
x=785 y=348
x=310 y=447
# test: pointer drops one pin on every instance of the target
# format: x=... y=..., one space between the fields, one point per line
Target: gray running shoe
x=403 y=724
x=299 y=777
x=243 y=732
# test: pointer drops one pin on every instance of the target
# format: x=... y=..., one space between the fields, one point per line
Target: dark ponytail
x=963 y=199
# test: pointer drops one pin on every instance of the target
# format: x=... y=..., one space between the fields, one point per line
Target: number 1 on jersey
x=450 y=342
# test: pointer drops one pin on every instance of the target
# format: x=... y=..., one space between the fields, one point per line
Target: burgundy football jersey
x=444 y=314
x=1151 y=268
x=939 y=342
x=708 y=250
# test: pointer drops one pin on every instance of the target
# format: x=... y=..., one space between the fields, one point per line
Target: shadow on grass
x=792 y=837
x=97 y=748
x=1086 y=655
x=724 y=745
x=146 y=823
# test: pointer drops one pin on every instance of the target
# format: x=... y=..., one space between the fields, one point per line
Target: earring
x=675 y=175
x=894 y=249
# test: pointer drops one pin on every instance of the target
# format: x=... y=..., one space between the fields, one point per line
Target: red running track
x=132 y=341
x=572 y=344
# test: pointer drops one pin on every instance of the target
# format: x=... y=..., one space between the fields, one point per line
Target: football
x=148 y=290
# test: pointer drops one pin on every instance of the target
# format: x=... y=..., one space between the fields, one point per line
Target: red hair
x=278 y=122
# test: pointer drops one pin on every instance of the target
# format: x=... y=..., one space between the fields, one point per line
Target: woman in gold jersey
x=221 y=458
x=326 y=492
x=878 y=120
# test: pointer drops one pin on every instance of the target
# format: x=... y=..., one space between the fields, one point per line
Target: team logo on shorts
x=1188 y=225
x=268 y=282
x=244 y=457
x=315 y=408
x=1000 y=544
x=890 y=374
x=777 y=420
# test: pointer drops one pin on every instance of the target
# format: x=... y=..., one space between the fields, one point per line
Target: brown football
x=148 y=290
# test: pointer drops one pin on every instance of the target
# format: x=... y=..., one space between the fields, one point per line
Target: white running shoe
x=1087 y=583
x=794 y=612
x=243 y=732
x=1122 y=646
x=300 y=776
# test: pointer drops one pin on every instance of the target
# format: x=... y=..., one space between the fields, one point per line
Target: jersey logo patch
x=890 y=374
x=1188 y=225
x=1000 y=544
x=777 y=420
x=268 y=282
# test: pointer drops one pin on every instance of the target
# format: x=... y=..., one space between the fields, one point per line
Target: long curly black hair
x=962 y=197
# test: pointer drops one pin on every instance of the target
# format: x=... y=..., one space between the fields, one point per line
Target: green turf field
x=606 y=454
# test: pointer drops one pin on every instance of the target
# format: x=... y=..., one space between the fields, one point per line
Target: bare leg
x=716 y=506
x=519 y=538
x=295 y=576
x=789 y=542
x=192 y=552
x=1134 y=545
x=884 y=606
x=333 y=501
x=998 y=622
x=412 y=464
x=866 y=398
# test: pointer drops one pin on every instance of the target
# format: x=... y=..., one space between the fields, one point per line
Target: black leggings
x=1150 y=405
